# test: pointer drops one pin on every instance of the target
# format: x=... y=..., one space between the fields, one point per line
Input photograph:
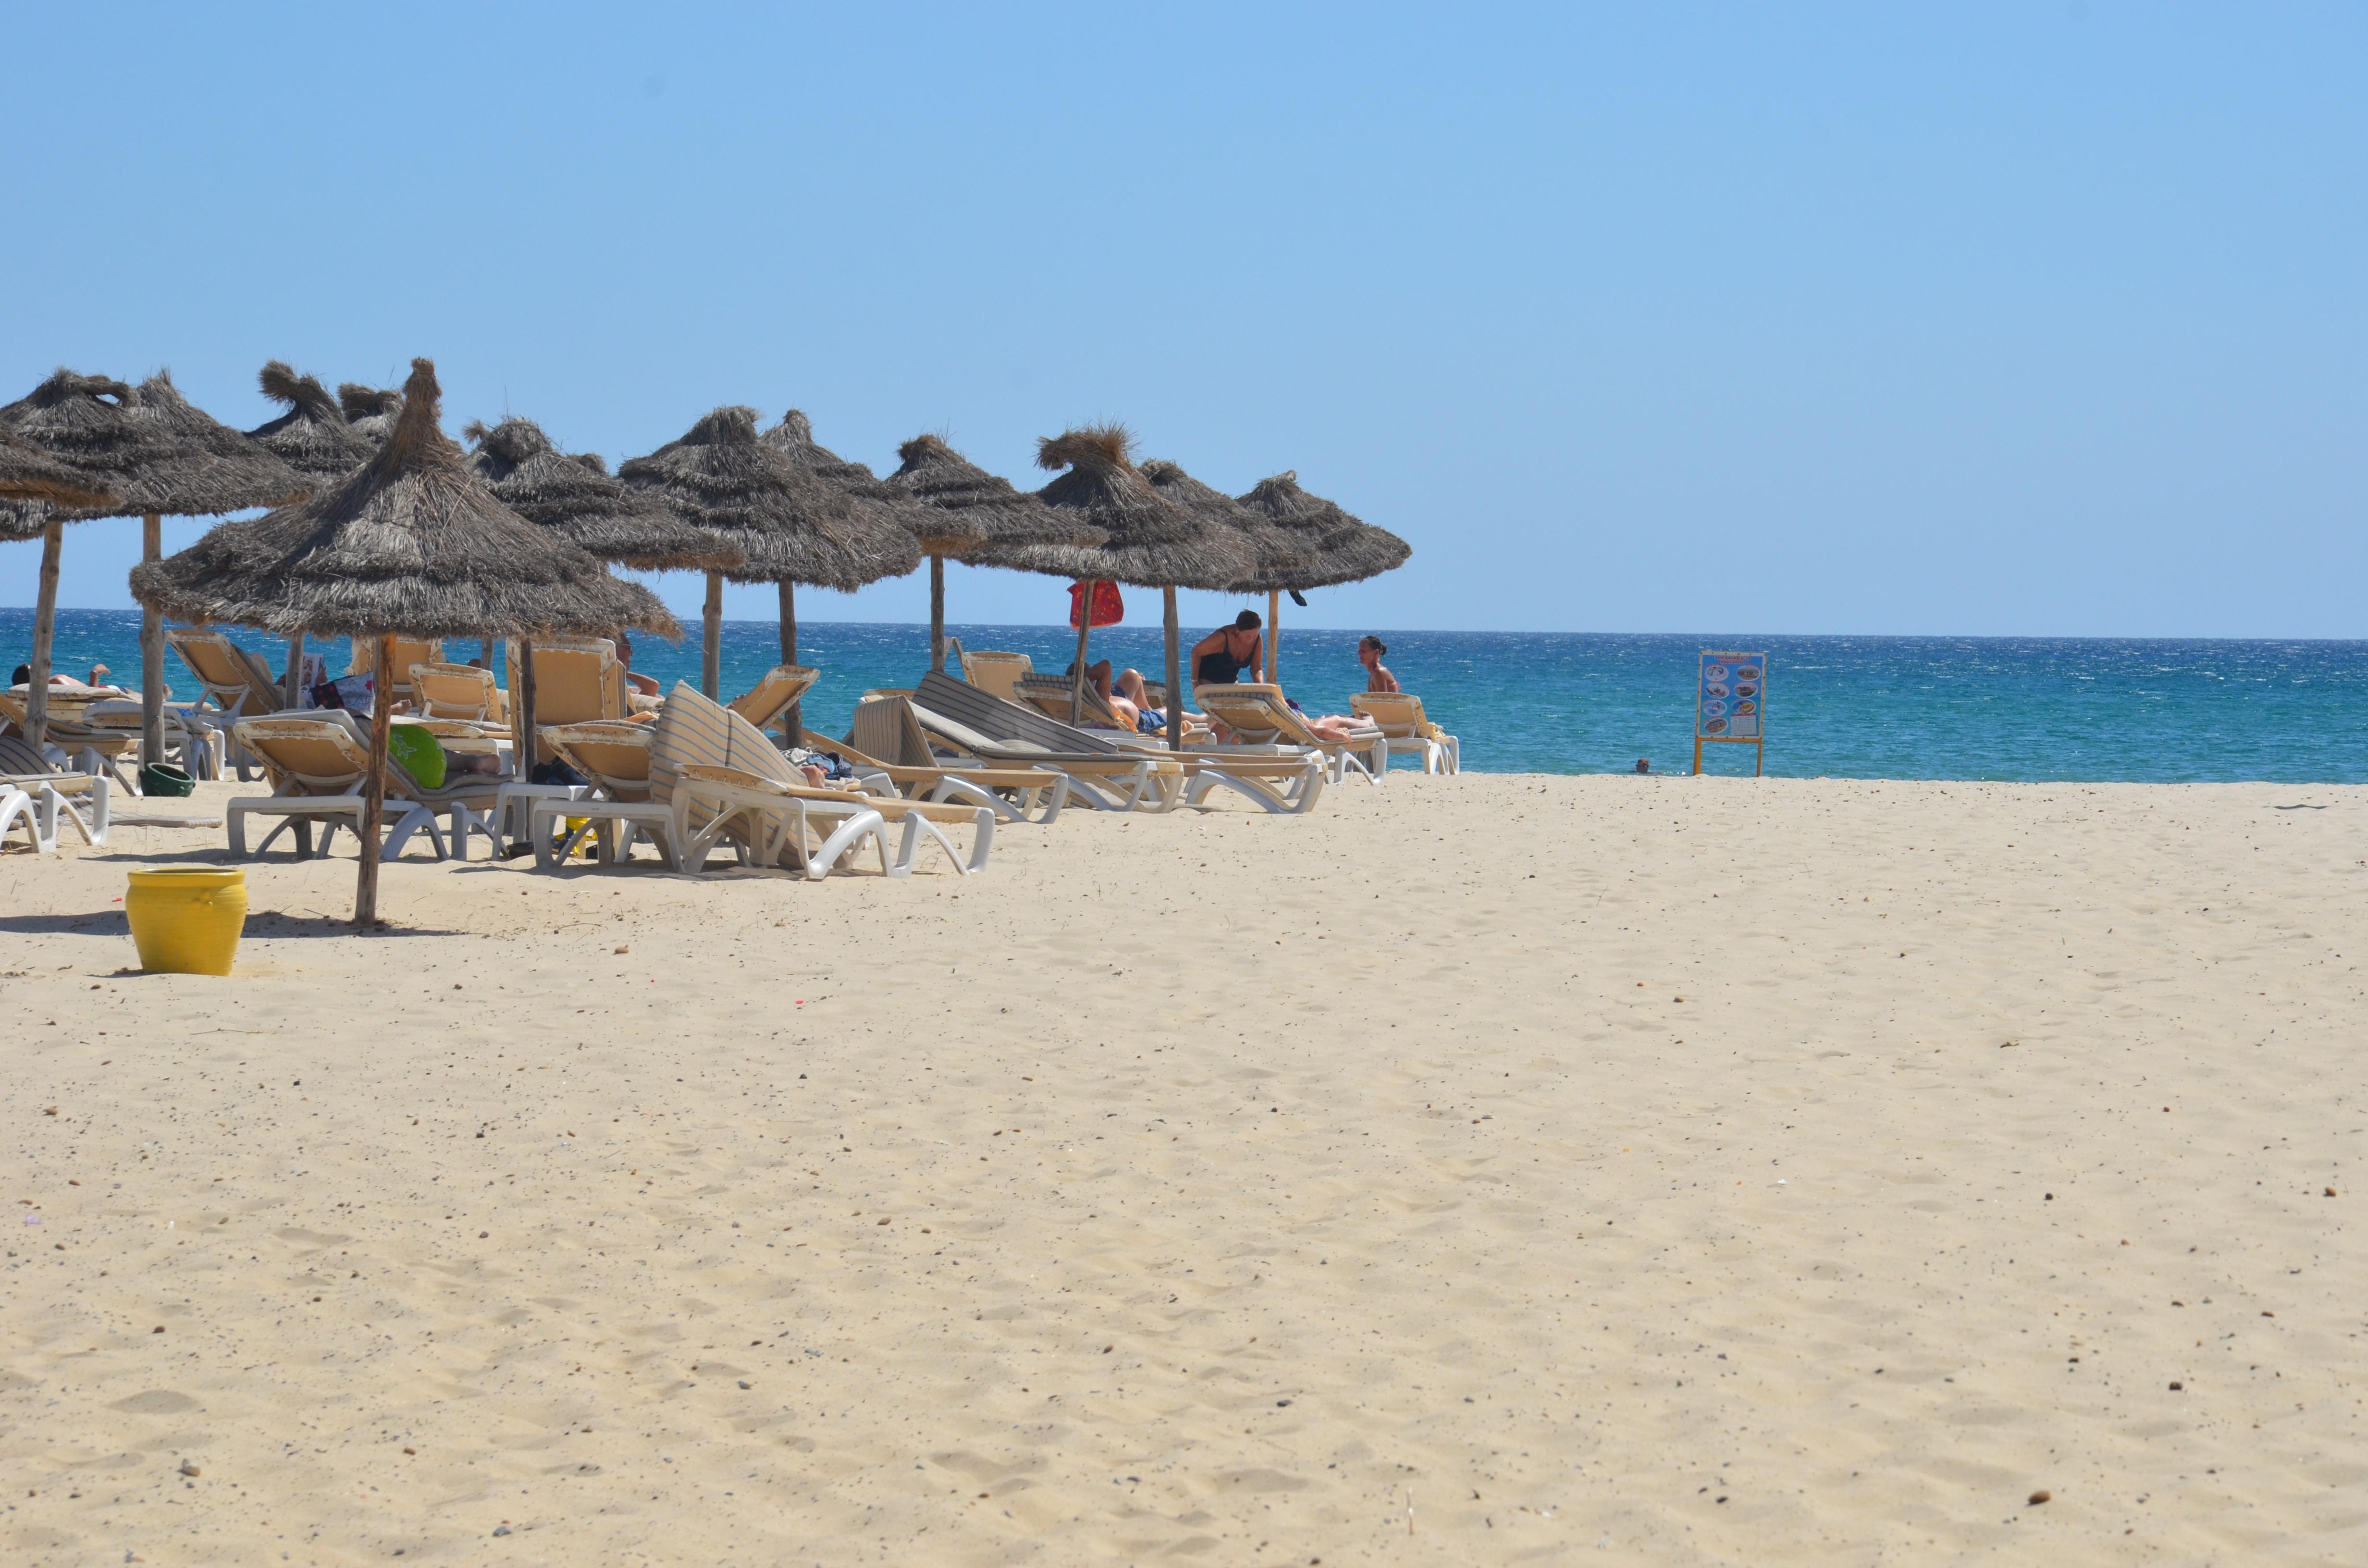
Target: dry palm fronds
x=576 y=498
x=791 y=525
x=1344 y=549
x=410 y=542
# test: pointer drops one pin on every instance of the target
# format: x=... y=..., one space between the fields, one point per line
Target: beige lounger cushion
x=771 y=697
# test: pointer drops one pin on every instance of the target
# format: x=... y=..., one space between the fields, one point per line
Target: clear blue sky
x=1992 y=319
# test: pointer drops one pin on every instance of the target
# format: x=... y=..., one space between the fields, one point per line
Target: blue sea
x=1999 y=708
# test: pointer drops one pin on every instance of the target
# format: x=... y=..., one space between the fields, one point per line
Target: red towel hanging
x=1109 y=608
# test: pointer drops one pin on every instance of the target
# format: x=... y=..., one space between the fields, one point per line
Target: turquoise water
x=1847 y=706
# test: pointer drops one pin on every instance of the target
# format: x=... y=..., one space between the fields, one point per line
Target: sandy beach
x=1480 y=1169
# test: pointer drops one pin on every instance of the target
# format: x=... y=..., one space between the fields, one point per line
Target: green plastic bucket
x=163 y=778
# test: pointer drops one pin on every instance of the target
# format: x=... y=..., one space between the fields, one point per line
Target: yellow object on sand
x=187 y=919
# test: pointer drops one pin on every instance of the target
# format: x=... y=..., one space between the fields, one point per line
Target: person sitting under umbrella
x=1220 y=658
x=1377 y=676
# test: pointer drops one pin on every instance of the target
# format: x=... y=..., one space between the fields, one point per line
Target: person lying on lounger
x=1332 y=726
x=98 y=681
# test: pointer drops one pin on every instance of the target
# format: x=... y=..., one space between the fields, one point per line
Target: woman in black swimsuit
x=1220 y=658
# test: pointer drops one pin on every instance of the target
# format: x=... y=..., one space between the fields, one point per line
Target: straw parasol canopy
x=577 y=498
x=411 y=543
x=28 y=474
x=1335 y=546
x=984 y=518
x=794 y=526
x=370 y=410
x=312 y=436
x=1344 y=549
x=987 y=507
x=790 y=525
x=1152 y=542
x=215 y=469
x=164 y=458
x=81 y=422
x=1275 y=552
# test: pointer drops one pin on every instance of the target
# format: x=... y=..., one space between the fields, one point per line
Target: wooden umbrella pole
x=294 y=677
x=710 y=637
x=45 y=626
x=374 y=791
x=793 y=718
x=152 y=651
x=1077 y=670
x=1274 y=636
x=1175 y=675
x=522 y=699
x=938 y=614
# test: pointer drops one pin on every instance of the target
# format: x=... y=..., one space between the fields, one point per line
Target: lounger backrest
x=1005 y=721
x=996 y=672
x=886 y=731
x=577 y=680
x=307 y=756
x=452 y=691
x=408 y=651
x=1257 y=714
x=694 y=732
x=612 y=753
x=1050 y=695
x=19 y=760
x=771 y=697
x=324 y=752
x=231 y=676
x=1398 y=713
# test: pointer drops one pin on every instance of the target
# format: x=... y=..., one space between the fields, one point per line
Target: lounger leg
x=415 y=817
x=1091 y=793
x=1058 y=796
x=1257 y=789
x=963 y=789
x=18 y=806
x=102 y=811
x=851 y=833
x=918 y=827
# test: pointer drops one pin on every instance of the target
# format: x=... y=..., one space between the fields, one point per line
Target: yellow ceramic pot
x=187 y=919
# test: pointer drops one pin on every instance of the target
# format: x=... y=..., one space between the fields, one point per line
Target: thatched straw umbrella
x=153 y=454
x=408 y=543
x=313 y=438
x=79 y=421
x=577 y=498
x=369 y=410
x=1152 y=543
x=1276 y=551
x=223 y=470
x=934 y=532
x=985 y=518
x=1341 y=547
x=28 y=473
x=793 y=526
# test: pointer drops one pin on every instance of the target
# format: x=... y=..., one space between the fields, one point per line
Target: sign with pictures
x=1731 y=698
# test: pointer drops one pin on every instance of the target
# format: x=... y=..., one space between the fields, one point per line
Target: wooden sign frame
x=1757 y=665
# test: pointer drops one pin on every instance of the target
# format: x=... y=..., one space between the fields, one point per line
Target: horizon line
x=1289 y=627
